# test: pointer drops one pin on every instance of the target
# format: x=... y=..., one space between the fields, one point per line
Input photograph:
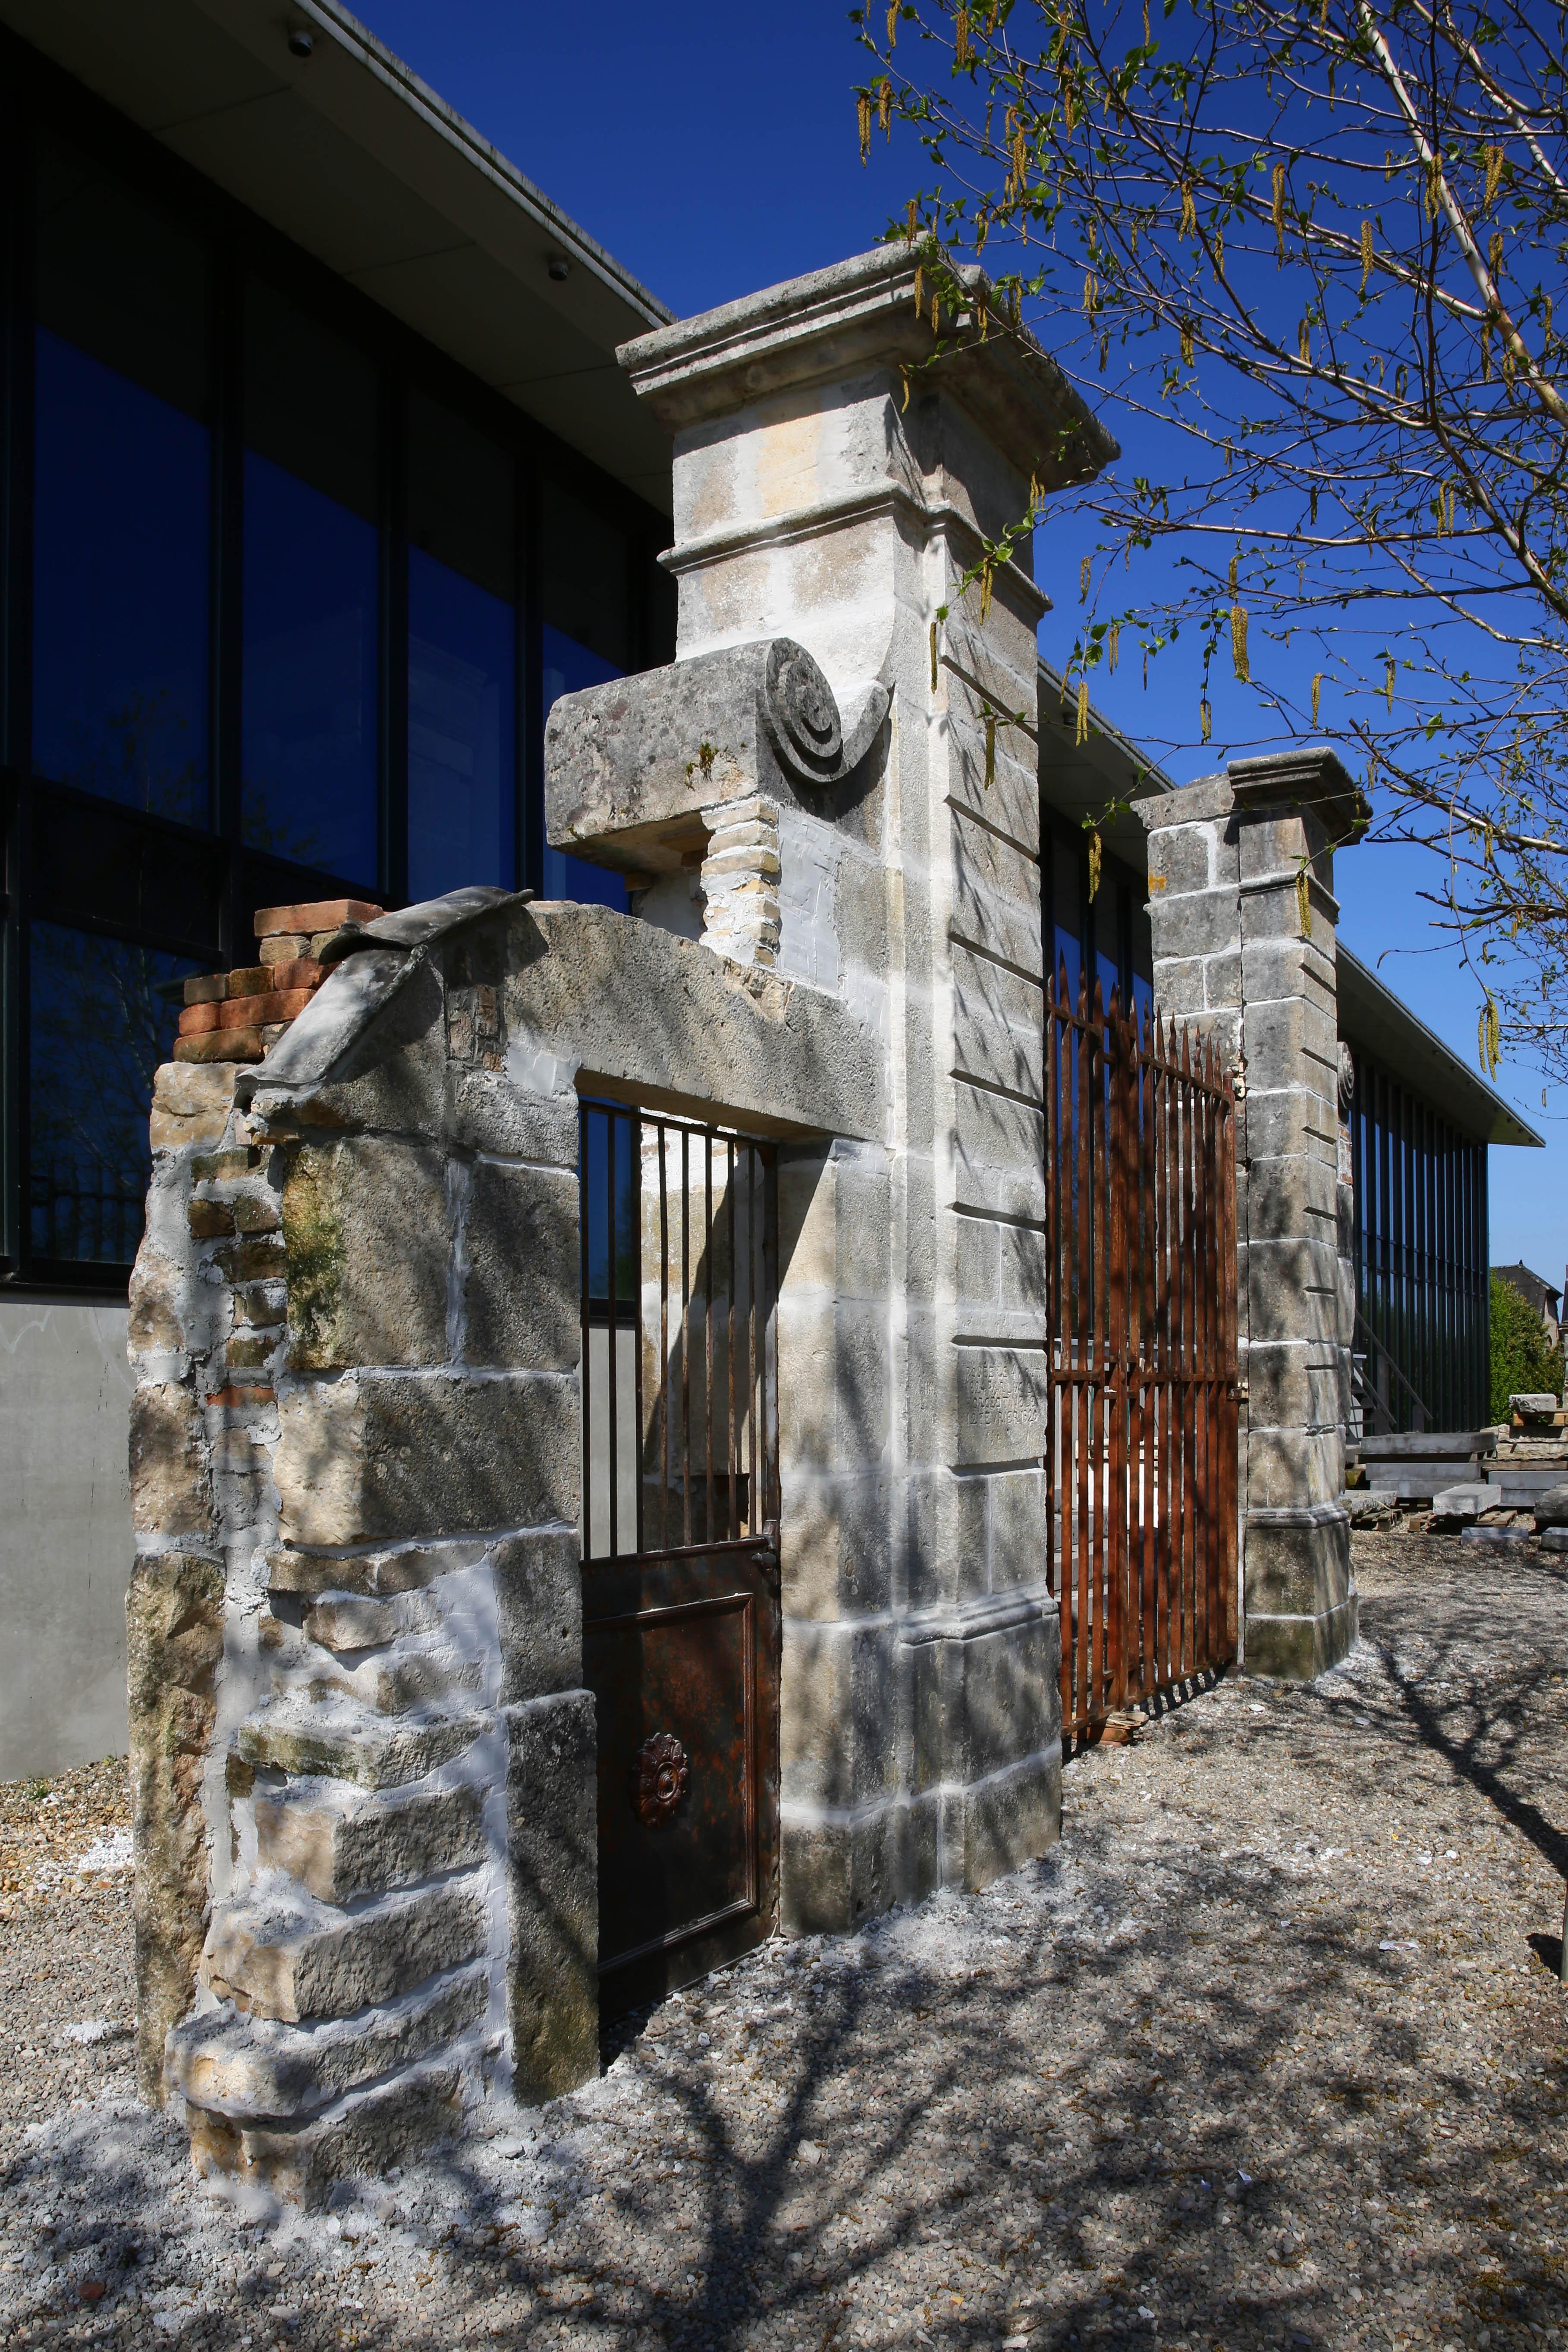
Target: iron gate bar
x=1141 y=1447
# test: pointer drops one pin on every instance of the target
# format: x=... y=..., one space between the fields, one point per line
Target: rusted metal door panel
x=682 y=1655
x=681 y=1624
x=1140 y=1459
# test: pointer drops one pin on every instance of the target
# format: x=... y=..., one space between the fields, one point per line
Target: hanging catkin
x=1238 y=642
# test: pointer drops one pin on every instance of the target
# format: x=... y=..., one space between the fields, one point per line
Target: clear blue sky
x=713 y=150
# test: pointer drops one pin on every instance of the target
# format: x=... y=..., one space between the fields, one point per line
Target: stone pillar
x=1243 y=913
x=831 y=488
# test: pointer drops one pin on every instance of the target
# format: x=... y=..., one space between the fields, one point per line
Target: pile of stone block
x=239 y=1016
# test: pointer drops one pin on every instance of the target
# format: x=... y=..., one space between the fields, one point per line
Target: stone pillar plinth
x=1243 y=913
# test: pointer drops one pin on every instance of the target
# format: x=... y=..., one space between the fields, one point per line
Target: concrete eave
x=1372 y=1018
x=1078 y=780
x=351 y=156
x=855 y=317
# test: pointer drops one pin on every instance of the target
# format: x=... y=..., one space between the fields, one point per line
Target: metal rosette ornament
x=661 y=1774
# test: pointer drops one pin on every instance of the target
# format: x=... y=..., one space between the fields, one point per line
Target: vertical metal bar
x=733 y=1447
x=1048 y=1088
x=663 y=1134
x=1228 y=1370
x=1115 y=1306
x=612 y=1333
x=708 y=1528
x=1210 y=1483
x=1186 y=1309
x=686 y=1335
x=1147 y=1674
x=583 y=1115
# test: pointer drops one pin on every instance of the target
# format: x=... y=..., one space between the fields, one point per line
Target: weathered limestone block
x=256 y=2068
x=171 y=1481
x=998 y=1024
x=840 y=1708
x=173 y=1622
x=521 y=1293
x=389 y=2126
x=362 y=1459
x=347 y=1742
x=341 y=1842
x=552 y=1862
x=191 y=1102
x=538 y=1608
x=299 y=1958
x=365 y=1225
x=835 y=1546
x=408 y=1568
x=836 y=1870
x=1002 y=1405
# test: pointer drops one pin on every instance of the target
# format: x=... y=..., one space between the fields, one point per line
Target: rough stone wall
x=364 y=1758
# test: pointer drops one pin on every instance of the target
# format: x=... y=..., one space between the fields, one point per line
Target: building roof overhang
x=1082 y=780
x=350 y=155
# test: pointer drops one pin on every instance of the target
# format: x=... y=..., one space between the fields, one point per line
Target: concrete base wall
x=66 y=1546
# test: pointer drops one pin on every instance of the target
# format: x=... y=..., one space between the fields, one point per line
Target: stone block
x=1002 y=1823
x=158 y=1302
x=361 y=1459
x=1292 y=1290
x=998 y=1022
x=984 y=1696
x=191 y=1102
x=1200 y=923
x=519 y=1113
x=1276 y=845
x=406 y=1569
x=173 y=1625
x=840 y=1704
x=258 y=2068
x=354 y=1620
x=996 y=893
x=170 y=1483
x=1292 y=1042
x=300 y=1959
x=387 y=2125
x=1292 y=1381
x=1294 y=1467
x=521 y=1293
x=1283 y=1121
x=341 y=1842
x=998 y=1154
x=836 y=1547
x=1292 y=1198
x=1001 y=1403
x=833 y=1383
x=365 y=1223
x=1551 y=1507
x=350 y=1743
x=835 y=1873
x=539 y=1606
x=1297 y=1563
x=1181 y=858
x=1016 y=1501
x=552 y=1795
x=1298 y=1649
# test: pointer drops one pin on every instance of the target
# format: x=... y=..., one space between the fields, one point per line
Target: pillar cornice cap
x=859 y=315
x=1308 y=776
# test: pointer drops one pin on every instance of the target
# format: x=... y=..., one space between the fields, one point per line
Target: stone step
x=349 y=1742
x=366 y=2133
x=287 y=1955
x=258 y=2068
x=339 y=1841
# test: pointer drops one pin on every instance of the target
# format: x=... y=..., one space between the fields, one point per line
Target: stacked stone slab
x=237 y=1016
x=1243 y=917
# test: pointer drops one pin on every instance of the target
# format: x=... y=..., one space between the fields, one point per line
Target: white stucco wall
x=65 y=1533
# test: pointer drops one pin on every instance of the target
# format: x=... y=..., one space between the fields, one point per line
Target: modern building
x=320 y=483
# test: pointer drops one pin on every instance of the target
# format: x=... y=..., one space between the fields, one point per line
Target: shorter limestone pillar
x=1242 y=909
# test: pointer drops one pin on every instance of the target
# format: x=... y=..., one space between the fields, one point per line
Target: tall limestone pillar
x=1242 y=908
x=872 y=805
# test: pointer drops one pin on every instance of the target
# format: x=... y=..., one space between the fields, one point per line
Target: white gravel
x=1266 y=2052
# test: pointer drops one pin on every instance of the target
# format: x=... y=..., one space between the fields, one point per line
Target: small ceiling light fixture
x=301 y=41
x=560 y=268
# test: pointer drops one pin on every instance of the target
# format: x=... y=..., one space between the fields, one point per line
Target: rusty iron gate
x=1141 y=1460
x=680 y=1602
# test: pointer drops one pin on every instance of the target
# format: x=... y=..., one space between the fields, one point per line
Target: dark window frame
x=35 y=93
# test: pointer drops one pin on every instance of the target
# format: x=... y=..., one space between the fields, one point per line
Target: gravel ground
x=1269 y=2051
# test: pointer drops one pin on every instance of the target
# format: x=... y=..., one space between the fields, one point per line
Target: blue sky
x=713 y=150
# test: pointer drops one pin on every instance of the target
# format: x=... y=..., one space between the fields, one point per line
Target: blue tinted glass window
x=462 y=691
x=103 y=1016
x=1067 y=916
x=120 y=494
x=309 y=748
x=568 y=669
